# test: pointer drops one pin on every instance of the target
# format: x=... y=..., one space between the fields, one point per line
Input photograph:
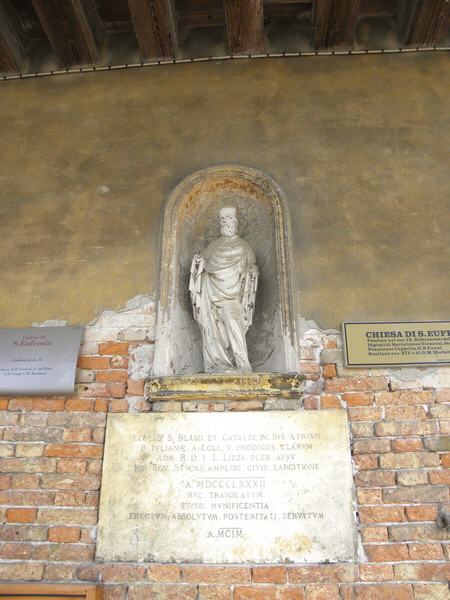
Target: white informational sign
x=38 y=360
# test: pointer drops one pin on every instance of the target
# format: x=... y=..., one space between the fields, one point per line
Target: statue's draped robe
x=223 y=286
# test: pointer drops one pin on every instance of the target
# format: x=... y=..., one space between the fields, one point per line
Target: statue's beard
x=227 y=230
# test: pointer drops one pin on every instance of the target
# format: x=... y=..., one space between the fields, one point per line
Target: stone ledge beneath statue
x=232 y=386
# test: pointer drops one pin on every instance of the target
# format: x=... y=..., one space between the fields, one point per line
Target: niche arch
x=190 y=222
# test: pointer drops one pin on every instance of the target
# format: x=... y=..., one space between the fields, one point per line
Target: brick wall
x=51 y=457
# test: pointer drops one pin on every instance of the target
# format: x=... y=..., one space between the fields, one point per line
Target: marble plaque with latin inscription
x=227 y=488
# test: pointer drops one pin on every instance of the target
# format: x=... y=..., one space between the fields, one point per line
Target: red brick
x=387 y=552
x=369 y=496
x=330 y=401
x=371 y=446
x=431 y=591
x=77 y=435
x=116 y=375
x=381 y=514
x=118 y=406
x=413 y=477
x=376 y=572
x=23 y=533
x=122 y=572
x=101 y=405
x=79 y=404
x=15 y=551
x=113 y=348
x=117 y=390
x=269 y=574
x=64 y=534
x=27 y=465
x=412 y=532
x=93 y=362
x=37 y=404
x=407 y=445
x=69 y=498
x=384 y=592
x=445 y=460
x=5 y=482
x=409 y=460
x=59 y=572
x=157 y=591
x=423 y=571
x=426 y=551
x=223 y=575
x=114 y=592
x=214 y=592
x=21 y=571
x=25 y=498
x=375 y=478
x=71 y=465
x=74 y=450
x=322 y=592
x=74 y=552
x=405 y=429
x=329 y=371
x=164 y=573
x=366 y=462
x=374 y=534
x=135 y=387
x=67 y=516
x=356 y=384
x=3 y=403
x=253 y=593
x=416 y=494
x=404 y=397
x=421 y=513
x=291 y=593
x=439 y=477
x=415 y=412
x=310 y=403
x=365 y=413
x=322 y=574
x=21 y=515
x=358 y=399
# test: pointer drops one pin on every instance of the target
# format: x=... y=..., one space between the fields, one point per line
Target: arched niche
x=191 y=222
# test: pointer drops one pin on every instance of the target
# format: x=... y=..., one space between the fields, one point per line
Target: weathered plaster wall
x=358 y=144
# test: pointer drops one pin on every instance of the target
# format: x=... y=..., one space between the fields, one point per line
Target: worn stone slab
x=227 y=488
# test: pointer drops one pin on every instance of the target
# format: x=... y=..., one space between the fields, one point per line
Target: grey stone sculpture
x=223 y=284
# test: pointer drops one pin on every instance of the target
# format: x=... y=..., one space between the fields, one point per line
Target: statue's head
x=228 y=221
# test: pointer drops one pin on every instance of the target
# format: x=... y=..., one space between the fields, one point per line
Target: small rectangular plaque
x=227 y=488
x=397 y=343
x=38 y=360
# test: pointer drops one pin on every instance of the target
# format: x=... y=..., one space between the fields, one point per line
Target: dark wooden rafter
x=334 y=23
x=73 y=29
x=424 y=22
x=245 y=26
x=12 y=40
x=155 y=27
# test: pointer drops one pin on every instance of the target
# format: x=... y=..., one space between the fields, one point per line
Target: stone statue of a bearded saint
x=223 y=286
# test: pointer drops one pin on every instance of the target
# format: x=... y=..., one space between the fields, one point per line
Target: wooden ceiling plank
x=72 y=28
x=426 y=23
x=12 y=41
x=245 y=26
x=334 y=23
x=155 y=27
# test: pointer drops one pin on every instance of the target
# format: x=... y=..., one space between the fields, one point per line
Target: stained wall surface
x=358 y=144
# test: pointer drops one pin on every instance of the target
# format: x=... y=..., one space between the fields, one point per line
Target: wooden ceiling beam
x=155 y=27
x=245 y=26
x=12 y=40
x=72 y=28
x=334 y=23
x=424 y=22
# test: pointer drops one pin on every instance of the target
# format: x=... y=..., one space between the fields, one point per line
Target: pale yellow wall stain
x=360 y=146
